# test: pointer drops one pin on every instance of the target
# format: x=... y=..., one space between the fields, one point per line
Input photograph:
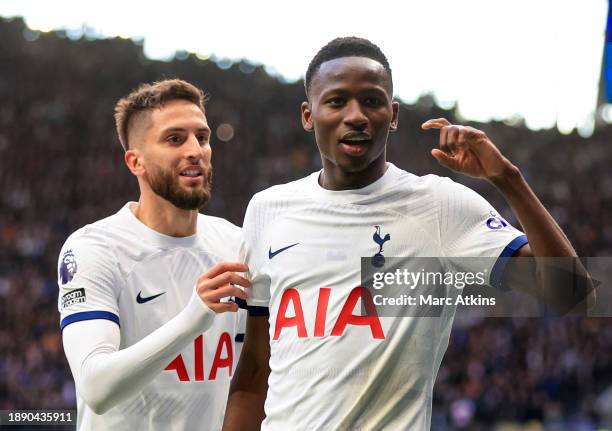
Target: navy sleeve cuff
x=258 y=311
x=89 y=315
x=497 y=273
x=241 y=303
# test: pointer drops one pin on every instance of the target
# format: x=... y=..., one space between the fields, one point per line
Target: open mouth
x=191 y=172
x=356 y=141
x=355 y=145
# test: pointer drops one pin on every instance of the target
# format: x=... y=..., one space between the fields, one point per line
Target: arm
x=469 y=151
x=106 y=376
x=561 y=283
x=245 y=405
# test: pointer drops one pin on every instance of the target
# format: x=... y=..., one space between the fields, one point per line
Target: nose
x=193 y=149
x=355 y=117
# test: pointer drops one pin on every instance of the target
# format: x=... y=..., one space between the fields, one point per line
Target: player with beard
x=147 y=328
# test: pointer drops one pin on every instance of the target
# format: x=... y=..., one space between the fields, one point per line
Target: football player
x=316 y=361
x=148 y=330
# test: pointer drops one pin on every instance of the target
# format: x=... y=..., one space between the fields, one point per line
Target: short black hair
x=340 y=47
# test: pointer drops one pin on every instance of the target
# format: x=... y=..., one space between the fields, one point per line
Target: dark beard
x=166 y=185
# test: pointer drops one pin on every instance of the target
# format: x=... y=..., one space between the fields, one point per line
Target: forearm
x=245 y=404
x=561 y=283
x=546 y=238
x=106 y=376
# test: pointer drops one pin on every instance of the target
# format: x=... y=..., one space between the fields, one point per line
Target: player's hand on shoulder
x=467 y=150
x=220 y=282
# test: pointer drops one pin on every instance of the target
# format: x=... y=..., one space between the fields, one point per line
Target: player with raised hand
x=148 y=330
x=469 y=151
x=310 y=354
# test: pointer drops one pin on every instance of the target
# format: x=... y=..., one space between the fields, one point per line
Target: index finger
x=436 y=123
x=222 y=267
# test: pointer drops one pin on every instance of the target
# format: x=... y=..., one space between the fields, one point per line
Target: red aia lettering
x=345 y=318
x=198 y=350
x=178 y=365
x=220 y=362
x=321 y=311
x=282 y=321
x=348 y=318
x=220 y=359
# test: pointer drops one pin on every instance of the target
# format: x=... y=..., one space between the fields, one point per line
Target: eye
x=174 y=139
x=373 y=102
x=203 y=139
x=336 y=102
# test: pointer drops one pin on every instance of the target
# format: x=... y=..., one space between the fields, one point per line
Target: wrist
x=507 y=177
x=200 y=310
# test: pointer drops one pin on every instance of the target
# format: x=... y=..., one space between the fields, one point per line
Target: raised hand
x=467 y=150
x=220 y=282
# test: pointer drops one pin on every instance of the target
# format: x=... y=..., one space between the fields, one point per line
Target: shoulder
x=91 y=236
x=405 y=192
x=280 y=198
x=293 y=190
x=434 y=187
x=100 y=233
x=96 y=244
x=87 y=251
x=417 y=183
x=277 y=201
x=207 y=223
x=456 y=195
x=431 y=199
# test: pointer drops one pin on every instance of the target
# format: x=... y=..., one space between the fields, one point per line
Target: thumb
x=443 y=158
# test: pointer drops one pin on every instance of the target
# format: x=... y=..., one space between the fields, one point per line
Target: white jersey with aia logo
x=120 y=270
x=331 y=366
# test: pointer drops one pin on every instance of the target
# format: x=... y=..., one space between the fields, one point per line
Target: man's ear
x=133 y=160
x=307 y=117
x=395 y=118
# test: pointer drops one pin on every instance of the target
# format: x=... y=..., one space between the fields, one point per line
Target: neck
x=335 y=178
x=163 y=217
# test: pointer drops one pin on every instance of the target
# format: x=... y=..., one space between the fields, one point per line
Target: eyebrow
x=342 y=92
x=183 y=129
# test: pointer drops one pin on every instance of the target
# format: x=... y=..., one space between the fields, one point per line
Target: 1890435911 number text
x=36 y=417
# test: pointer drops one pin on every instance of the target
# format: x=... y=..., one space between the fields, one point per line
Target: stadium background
x=61 y=167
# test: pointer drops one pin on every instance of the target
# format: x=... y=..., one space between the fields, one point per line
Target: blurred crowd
x=61 y=167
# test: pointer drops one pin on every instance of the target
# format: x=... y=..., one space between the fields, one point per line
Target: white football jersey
x=331 y=368
x=121 y=270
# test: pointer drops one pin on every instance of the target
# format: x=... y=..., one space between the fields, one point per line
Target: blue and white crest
x=495 y=221
x=378 y=259
x=68 y=267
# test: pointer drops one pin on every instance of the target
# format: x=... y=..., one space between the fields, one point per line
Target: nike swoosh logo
x=271 y=253
x=142 y=300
